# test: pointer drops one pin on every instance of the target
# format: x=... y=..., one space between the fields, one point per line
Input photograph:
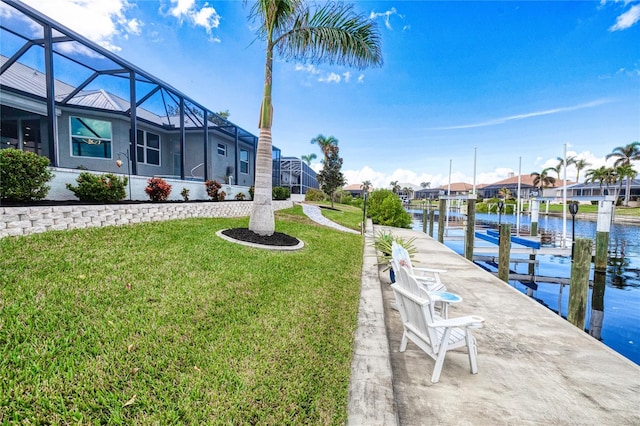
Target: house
x=297 y=175
x=84 y=108
x=356 y=190
x=455 y=189
x=527 y=188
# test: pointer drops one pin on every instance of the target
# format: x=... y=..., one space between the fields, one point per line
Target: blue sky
x=511 y=82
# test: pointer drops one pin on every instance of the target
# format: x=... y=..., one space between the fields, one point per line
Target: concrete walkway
x=534 y=367
x=314 y=213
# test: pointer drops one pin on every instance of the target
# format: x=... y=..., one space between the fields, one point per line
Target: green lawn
x=345 y=215
x=165 y=323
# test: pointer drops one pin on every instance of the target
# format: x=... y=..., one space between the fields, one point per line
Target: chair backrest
x=401 y=257
x=415 y=306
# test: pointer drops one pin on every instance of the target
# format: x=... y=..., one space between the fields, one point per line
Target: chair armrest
x=431 y=270
x=468 y=321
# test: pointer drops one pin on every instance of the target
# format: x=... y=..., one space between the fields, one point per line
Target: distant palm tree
x=366 y=186
x=326 y=144
x=626 y=172
x=603 y=175
x=331 y=32
x=542 y=179
x=425 y=185
x=624 y=155
x=580 y=165
x=505 y=192
x=408 y=191
x=394 y=186
x=309 y=158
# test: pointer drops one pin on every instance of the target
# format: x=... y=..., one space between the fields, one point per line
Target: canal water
x=621 y=319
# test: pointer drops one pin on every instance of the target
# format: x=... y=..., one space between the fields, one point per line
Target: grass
x=345 y=215
x=164 y=322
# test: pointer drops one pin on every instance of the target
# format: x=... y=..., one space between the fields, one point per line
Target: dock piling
x=504 y=252
x=442 y=213
x=471 y=227
x=579 y=287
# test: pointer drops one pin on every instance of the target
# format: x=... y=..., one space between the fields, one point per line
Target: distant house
x=297 y=175
x=527 y=188
x=355 y=190
x=456 y=189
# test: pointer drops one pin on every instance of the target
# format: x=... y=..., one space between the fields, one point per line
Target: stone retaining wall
x=31 y=220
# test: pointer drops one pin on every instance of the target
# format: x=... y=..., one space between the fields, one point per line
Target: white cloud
x=346 y=76
x=627 y=19
x=361 y=78
x=98 y=20
x=504 y=120
x=205 y=16
x=386 y=16
x=330 y=78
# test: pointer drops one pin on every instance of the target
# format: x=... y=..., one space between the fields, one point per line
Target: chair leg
x=473 y=350
x=403 y=343
x=442 y=352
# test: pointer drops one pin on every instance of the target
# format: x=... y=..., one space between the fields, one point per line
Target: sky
x=494 y=87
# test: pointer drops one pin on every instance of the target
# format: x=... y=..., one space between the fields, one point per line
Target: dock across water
x=534 y=367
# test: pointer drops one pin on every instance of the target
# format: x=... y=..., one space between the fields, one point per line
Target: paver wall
x=31 y=220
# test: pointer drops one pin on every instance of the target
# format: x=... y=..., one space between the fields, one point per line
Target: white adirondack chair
x=430 y=332
x=428 y=277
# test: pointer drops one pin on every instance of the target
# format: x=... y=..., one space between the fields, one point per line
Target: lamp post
x=119 y=164
x=573 y=209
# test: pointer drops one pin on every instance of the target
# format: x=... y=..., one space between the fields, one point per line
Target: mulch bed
x=277 y=239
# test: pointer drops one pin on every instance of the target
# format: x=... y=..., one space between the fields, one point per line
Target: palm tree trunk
x=262 y=220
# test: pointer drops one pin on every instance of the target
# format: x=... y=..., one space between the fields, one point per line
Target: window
x=90 y=137
x=244 y=161
x=148 y=148
x=222 y=149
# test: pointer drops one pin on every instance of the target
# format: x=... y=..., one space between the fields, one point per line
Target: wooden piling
x=442 y=213
x=579 y=287
x=597 y=304
x=602 y=234
x=424 y=220
x=432 y=214
x=471 y=228
x=504 y=250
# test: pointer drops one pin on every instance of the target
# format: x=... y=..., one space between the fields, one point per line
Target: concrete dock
x=534 y=367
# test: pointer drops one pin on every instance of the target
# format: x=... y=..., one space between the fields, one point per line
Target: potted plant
x=383 y=242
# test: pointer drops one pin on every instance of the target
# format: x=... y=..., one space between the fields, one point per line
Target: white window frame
x=145 y=148
x=243 y=162
x=222 y=147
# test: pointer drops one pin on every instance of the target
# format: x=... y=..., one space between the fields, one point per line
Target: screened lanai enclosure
x=83 y=107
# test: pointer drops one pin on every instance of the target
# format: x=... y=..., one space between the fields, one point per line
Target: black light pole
x=500 y=207
x=573 y=209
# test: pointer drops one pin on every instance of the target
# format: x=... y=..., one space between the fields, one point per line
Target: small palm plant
x=383 y=242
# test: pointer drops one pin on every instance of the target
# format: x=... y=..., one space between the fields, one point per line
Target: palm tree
x=626 y=172
x=505 y=192
x=309 y=158
x=542 y=179
x=603 y=175
x=366 y=185
x=408 y=191
x=394 y=186
x=580 y=164
x=425 y=185
x=300 y=30
x=326 y=144
x=624 y=155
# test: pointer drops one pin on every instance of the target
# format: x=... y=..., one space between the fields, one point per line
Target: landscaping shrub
x=315 y=195
x=280 y=193
x=158 y=189
x=252 y=189
x=107 y=188
x=213 y=190
x=185 y=194
x=240 y=196
x=385 y=208
x=23 y=175
x=357 y=202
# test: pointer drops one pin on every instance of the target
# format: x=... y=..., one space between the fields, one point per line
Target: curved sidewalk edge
x=313 y=212
x=371 y=398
